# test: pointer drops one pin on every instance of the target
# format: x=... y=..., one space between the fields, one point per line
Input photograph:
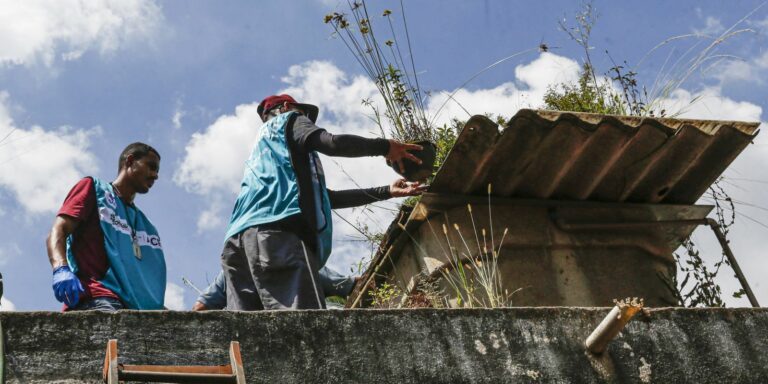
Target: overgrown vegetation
x=617 y=90
x=584 y=96
x=385 y=296
x=390 y=65
x=474 y=276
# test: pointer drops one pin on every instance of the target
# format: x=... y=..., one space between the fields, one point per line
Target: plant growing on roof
x=385 y=296
x=618 y=91
x=395 y=77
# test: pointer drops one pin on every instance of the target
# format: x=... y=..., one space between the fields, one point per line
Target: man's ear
x=285 y=107
x=129 y=160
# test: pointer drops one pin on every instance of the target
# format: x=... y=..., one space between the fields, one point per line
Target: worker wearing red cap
x=280 y=231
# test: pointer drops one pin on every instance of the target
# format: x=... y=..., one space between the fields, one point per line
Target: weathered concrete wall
x=550 y=263
x=399 y=346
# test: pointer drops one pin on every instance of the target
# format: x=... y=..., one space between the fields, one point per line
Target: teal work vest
x=270 y=192
x=138 y=282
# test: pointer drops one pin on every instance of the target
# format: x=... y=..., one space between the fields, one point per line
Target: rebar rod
x=732 y=260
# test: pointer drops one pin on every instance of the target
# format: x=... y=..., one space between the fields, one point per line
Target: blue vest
x=138 y=282
x=270 y=192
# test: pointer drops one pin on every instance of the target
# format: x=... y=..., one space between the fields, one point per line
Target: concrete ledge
x=398 y=346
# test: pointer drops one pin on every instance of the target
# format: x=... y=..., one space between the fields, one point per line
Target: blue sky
x=80 y=80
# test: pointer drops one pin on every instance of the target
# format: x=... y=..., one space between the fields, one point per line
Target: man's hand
x=199 y=306
x=402 y=188
x=66 y=286
x=399 y=151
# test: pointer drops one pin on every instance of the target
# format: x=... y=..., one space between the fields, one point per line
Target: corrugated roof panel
x=666 y=164
x=465 y=167
x=728 y=144
x=513 y=154
x=601 y=151
x=580 y=156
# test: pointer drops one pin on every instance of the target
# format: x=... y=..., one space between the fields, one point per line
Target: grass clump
x=390 y=65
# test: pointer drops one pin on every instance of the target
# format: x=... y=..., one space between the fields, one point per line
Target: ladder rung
x=114 y=373
x=220 y=369
x=176 y=377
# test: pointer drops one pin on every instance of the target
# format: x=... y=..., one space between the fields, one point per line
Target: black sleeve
x=302 y=128
x=310 y=137
x=356 y=197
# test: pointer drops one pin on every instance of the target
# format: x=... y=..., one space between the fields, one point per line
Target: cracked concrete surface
x=520 y=345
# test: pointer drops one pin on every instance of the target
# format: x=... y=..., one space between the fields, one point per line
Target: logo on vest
x=148 y=240
x=110 y=198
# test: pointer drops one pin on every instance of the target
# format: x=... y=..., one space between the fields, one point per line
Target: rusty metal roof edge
x=632 y=122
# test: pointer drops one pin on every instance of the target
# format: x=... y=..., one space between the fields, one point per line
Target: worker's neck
x=124 y=189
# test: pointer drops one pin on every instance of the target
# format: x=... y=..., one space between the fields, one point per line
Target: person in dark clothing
x=215 y=296
x=280 y=231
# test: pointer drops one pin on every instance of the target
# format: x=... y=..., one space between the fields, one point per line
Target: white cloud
x=38 y=166
x=762 y=61
x=751 y=70
x=178 y=114
x=211 y=218
x=7 y=305
x=533 y=78
x=735 y=70
x=761 y=24
x=709 y=104
x=339 y=97
x=174 y=297
x=215 y=159
x=38 y=30
x=712 y=26
x=548 y=69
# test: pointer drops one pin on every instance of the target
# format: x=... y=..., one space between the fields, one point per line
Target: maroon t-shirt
x=88 y=242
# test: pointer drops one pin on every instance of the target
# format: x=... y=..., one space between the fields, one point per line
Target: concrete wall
x=521 y=345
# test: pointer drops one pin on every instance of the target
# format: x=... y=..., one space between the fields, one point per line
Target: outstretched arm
x=346 y=145
x=310 y=137
x=214 y=297
x=356 y=197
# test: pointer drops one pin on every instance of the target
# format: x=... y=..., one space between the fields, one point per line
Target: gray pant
x=270 y=269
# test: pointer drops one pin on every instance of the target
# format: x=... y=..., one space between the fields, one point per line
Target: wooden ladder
x=115 y=373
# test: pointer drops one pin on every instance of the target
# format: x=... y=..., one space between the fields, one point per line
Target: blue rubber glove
x=66 y=286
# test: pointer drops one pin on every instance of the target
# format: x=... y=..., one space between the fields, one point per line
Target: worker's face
x=143 y=171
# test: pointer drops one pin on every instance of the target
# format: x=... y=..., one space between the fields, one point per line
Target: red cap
x=274 y=101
